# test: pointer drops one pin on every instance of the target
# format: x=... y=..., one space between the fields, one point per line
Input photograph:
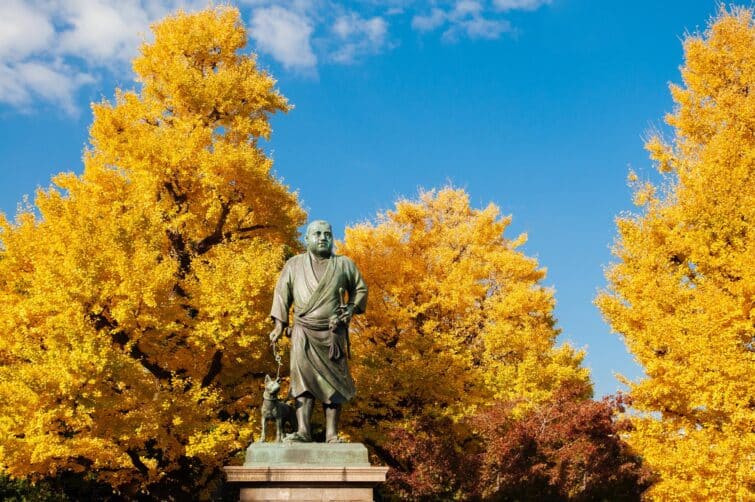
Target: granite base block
x=306 y=472
x=320 y=454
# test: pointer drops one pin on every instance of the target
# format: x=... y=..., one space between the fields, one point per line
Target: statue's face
x=319 y=238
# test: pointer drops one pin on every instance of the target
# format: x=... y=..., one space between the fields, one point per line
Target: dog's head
x=272 y=385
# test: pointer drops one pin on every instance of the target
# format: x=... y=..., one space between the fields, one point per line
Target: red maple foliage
x=428 y=460
x=569 y=449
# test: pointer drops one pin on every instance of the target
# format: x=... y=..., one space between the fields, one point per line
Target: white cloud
x=301 y=33
x=49 y=49
x=23 y=83
x=504 y=5
x=55 y=84
x=102 y=31
x=285 y=35
x=12 y=90
x=108 y=32
x=479 y=27
x=358 y=36
x=470 y=18
x=24 y=29
x=429 y=22
x=466 y=8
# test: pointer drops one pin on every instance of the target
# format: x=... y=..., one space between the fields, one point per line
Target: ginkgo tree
x=682 y=294
x=457 y=317
x=135 y=296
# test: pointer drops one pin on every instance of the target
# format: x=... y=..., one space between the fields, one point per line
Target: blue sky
x=538 y=106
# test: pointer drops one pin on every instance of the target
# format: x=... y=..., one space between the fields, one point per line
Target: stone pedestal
x=306 y=472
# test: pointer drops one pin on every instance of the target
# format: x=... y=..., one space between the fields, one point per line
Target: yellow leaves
x=194 y=68
x=127 y=305
x=695 y=462
x=644 y=194
x=457 y=316
x=236 y=278
x=661 y=153
x=221 y=437
x=680 y=293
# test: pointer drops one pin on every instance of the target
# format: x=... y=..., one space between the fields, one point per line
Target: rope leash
x=277 y=357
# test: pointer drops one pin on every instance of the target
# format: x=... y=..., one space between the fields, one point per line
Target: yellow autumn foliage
x=135 y=297
x=457 y=317
x=682 y=294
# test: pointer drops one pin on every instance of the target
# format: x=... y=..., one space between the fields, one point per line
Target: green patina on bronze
x=315 y=283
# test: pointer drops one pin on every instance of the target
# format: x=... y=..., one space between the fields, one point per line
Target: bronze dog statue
x=275 y=409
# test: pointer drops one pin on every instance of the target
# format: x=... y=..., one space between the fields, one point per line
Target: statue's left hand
x=346 y=313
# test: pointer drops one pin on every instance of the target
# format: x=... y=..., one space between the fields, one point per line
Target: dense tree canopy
x=568 y=448
x=457 y=316
x=135 y=296
x=682 y=294
x=135 y=301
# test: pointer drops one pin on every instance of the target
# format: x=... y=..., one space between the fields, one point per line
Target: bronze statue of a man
x=315 y=283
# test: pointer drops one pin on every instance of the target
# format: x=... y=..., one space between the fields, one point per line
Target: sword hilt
x=341 y=301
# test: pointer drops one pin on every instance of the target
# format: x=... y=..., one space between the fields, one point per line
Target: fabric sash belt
x=338 y=335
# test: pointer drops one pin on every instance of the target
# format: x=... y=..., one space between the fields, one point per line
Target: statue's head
x=319 y=238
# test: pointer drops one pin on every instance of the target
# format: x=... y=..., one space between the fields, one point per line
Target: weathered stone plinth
x=306 y=472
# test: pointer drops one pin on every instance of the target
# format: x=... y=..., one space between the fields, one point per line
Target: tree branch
x=252 y=228
x=159 y=372
x=215 y=366
x=178 y=198
x=217 y=234
x=121 y=338
x=179 y=252
x=137 y=462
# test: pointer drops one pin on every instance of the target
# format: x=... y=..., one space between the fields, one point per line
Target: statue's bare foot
x=335 y=440
x=297 y=437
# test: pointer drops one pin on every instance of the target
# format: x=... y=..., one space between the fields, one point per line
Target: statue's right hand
x=277 y=332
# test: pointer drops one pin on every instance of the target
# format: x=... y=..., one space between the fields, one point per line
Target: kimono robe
x=319 y=347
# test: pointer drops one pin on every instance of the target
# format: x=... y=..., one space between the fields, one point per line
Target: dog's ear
x=268 y=379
